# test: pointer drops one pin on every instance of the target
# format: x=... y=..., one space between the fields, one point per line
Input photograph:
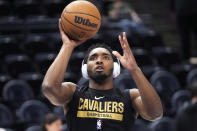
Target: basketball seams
x=76 y=25
x=81 y=13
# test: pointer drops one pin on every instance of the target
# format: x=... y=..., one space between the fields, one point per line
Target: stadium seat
x=5 y=8
x=191 y=76
x=54 y=8
x=166 y=56
x=34 y=128
x=6 y=116
x=43 y=61
x=65 y=127
x=24 y=8
x=32 y=112
x=166 y=84
x=152 y=40
x=181 y=71
x=41 y=24
x=4 y=78
x=149 y=70
x=124 y=81
x=34 y=79
x=140 y=125
x=11 y=25
x=10 y=45
x=164 y=124
x=15 y=92
x=71 y=77
x=19 y=63
x=59 y=111
x=143 y=57
x=179 y=98
x=34 y=44
x=76 y=61
x=56 y=41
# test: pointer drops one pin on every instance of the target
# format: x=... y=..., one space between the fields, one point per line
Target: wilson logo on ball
x=86 y=22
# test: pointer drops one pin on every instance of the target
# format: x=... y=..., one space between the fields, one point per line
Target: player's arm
x=145 y=100
x=57 y=92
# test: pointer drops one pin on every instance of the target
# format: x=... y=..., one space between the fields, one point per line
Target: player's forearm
x=55 y=73
x=150 y=98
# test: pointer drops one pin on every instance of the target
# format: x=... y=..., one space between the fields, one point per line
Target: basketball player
x=100 y=106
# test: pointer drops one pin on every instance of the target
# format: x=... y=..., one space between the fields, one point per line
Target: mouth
x=99 y=68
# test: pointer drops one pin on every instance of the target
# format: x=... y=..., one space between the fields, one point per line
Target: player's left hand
x=127 y=60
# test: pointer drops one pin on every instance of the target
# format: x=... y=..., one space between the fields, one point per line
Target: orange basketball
x=80 y=20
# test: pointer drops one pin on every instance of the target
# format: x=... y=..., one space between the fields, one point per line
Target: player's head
x=99 y=63
x=51 y=122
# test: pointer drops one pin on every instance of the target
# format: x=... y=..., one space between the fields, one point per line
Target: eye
x=92 y=58
x=106 y=57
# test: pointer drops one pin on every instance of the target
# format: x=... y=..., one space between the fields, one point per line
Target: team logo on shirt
x=89 y=108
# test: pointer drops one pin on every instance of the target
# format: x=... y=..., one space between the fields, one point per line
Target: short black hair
x=99 y=45
x=48 y=119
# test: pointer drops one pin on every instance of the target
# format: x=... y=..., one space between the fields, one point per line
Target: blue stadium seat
x=34 y=79
x=6 y=116
x=179 y=98
x=11 y=25
x=164 y=124
x=10 y=45
x=34 y=128
x=24 y=8
x=4 y=78
x=65 y=127
x=35 y=43
x=43 y=61
x=32 y=111
x=54 y=8
x=59 y=111
x=19 y=63
x=166 y=56
x=124 y=81
x=191 y=76
x=149 y=70
x=181 y=71
x=5 y=8
x=76 y=61
x=166 y=84
x=140 y=125
x=16 y=92
x=41 y=24
x=143 y=57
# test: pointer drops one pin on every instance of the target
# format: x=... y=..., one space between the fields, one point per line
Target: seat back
x=6 y=116
x=32 y=111
x=17 y=91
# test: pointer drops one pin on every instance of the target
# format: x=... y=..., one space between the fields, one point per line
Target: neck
x=107 y=84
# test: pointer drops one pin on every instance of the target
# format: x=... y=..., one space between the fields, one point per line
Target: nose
x=99 y=60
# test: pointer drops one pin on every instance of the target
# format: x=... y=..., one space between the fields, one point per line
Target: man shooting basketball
x=100 y=106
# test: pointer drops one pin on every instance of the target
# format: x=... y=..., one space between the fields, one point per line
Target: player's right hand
x=65 y=38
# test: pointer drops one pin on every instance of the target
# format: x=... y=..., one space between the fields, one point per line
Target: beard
x=99 y=78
